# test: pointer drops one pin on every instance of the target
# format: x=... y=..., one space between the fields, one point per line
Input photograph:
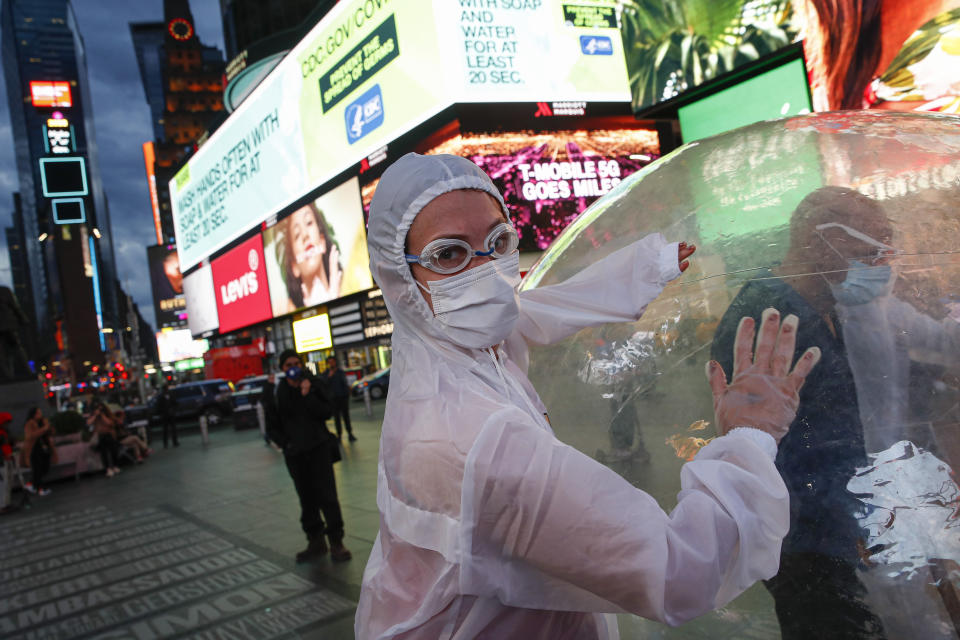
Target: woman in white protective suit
x=490 y=527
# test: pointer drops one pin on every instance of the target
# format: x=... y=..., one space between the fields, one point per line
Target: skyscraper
x=246 y=22
x=183 y=84
x=20 y=274
x=258 y=34
x=65 y=221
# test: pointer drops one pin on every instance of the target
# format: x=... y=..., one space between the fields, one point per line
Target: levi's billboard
x=240 y=286
x=371 y=71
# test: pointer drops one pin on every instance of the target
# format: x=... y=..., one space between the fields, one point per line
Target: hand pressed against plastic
x=764 y=393
x=463 y=214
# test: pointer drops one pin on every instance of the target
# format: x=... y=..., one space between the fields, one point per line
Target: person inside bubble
x=311 y=259
x=490 y=527
x=837 y=278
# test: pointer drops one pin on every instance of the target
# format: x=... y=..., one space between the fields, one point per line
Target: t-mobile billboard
x=240 y=286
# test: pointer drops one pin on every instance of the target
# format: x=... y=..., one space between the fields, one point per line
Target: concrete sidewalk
x=198 y=541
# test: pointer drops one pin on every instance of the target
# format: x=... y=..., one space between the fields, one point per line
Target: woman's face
x=171 y=268
x=464 y=215
x=307 y=243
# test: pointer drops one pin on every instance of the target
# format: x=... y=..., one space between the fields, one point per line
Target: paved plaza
x=197 y=542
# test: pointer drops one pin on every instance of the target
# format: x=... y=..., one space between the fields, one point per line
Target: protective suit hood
x=406 y=187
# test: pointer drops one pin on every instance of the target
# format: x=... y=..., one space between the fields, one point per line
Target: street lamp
x=43 y=236
x=96 y=233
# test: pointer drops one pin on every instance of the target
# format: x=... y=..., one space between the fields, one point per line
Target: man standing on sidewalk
x=296 y=414
x=165 y=410
x=340 y=392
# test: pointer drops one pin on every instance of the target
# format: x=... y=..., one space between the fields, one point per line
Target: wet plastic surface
x=851 y=221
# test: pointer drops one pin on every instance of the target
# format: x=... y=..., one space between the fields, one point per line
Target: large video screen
x=901 y=58
x=201 y=300
x=178 y=344
x=46 y=93
x=779 y=92
x=369 y=72
x=166 y=281
x=548 y=178
x=63 y=177
x=318 y=252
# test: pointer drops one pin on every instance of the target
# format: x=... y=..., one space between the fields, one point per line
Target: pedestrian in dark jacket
x=297 y=408
x=340 y=395
x=165 y=410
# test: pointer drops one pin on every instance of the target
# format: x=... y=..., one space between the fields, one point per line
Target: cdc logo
x=596 y=45
x=364 y=114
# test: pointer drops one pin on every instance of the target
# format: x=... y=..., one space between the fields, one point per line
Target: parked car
x=248 y=392
x=210 y=398
x=377 y=382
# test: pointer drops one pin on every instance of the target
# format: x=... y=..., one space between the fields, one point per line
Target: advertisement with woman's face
x=899 y=55
x=318 y=252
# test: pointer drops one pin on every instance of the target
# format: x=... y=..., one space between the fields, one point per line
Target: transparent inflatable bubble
x=851 y=221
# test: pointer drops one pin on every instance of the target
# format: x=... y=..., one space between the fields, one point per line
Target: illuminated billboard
x=313 y=333
x=318 y=252
x=903 y=58
x=44 y=93
x=548 y=178
x=63 y=177
x=149 y=162
x=68 y=211
x=166 y=281
x=522 y=51
x=778 y=92
x=240 y=286
x=177 y=344
x=370 y=72
x=201 y=300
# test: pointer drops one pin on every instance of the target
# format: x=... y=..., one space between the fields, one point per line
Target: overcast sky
x=122 y=122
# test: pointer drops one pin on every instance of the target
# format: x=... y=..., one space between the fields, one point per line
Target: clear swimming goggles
x=449 y=255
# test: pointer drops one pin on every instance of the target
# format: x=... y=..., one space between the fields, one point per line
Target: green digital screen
x=772 y=94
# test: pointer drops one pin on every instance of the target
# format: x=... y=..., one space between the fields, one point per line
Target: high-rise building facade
x=258 y=34
x=64 y=220
x=20 y=274
x=183 y=84
x=246 y=22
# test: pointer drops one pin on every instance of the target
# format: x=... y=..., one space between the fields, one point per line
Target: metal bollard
x=204 y=435
x=261 y=420
x=368 y=408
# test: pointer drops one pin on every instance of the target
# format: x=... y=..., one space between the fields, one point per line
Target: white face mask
x=479 y=307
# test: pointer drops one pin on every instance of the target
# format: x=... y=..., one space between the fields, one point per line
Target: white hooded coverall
x=490 y=527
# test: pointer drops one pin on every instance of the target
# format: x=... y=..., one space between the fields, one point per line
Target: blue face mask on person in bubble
x=863 y=283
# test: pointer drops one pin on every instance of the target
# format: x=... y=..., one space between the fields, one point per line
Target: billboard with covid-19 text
x=371 y=71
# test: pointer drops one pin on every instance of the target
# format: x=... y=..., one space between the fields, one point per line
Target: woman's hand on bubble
x=684 y=253
x=763 y=393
